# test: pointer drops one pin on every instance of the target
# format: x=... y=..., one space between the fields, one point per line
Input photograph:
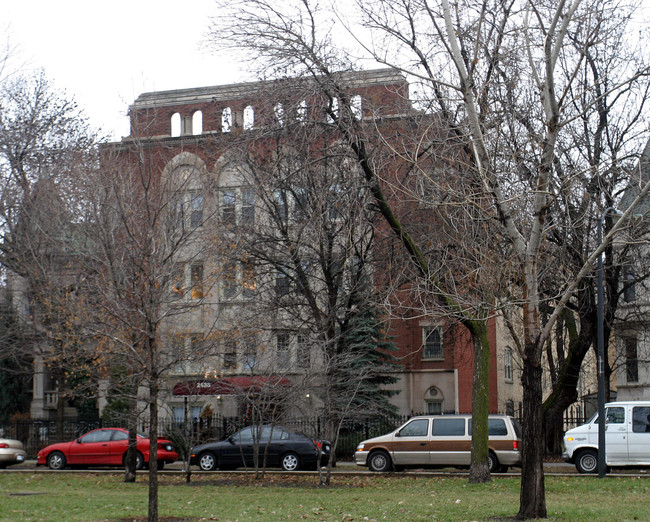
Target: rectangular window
x=282 y=350
x=432 y=343
x=300 y=204
x=178 y=281
x=334 y=201
x=178 y=212
x=197 y=280
x=282 y=284
x=230 y=355
x=248 y=206
x=281 y=207
x=303 y=351
x=448 y=427
x=228 y=207
x=629 y=290
x=229 y=280
x=249 y=283
x=631 y=359
x=641 y=419
x=196 y=214
x=250 y=352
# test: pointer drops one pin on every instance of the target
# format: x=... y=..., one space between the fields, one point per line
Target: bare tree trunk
x=479 y=470
x=153 y=450
x=131 y=452
x=532 y=497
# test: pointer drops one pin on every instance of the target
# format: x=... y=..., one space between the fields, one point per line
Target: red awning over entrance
x=229 y=385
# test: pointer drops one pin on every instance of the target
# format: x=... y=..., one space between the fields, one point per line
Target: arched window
x=176 y=125
x=433 y=400
x=226 y=120
x=249 y=117
x=507 y=364
x=197 y=123
x=355 y=105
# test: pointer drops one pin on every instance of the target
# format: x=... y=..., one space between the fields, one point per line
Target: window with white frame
x=238 y=279
x=230 y=354
x=247 y=206
x=228 y=207
x=237 y=206
x=184 y=276
x=432 y=343
x=196 y=278
x=186 y=202
x=507 y=364
x=282 y=350
x=187 y=349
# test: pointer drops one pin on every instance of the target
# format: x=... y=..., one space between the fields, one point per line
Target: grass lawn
x=88 y=496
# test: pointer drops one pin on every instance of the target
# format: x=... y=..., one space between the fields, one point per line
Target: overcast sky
x=104 y=54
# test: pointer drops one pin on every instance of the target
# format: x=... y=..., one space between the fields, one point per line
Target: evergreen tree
x=367 y=367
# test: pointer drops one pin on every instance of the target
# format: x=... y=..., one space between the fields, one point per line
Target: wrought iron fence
x=36 y=434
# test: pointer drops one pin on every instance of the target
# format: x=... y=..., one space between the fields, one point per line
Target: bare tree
x=45 y=142
x=306 y=257
x=503 y=77
x=144 y=257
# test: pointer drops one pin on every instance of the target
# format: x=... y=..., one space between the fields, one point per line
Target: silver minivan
x=441 y=441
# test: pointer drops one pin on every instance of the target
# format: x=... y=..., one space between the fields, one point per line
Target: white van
x=627 y=436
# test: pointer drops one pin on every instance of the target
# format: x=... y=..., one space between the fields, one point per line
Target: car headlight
x=169 y=447
x=360 y=447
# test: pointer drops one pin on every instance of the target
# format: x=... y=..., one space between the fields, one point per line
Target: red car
x=103 y=447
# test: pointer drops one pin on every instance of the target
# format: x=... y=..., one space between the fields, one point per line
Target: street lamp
x=600 y=356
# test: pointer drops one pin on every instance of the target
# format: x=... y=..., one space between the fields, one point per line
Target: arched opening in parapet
x=226 y=120
x=197 y=123
x=249 y=117
x=176 y=125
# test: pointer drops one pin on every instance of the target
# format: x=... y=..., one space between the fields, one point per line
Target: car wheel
x=493 y=463
x=290 y=462
x=208 y=461
x=587 y=461
x=56 y=460
x=161 y=464
x=380 y=461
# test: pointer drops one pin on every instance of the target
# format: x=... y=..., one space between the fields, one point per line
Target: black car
x=284 y=449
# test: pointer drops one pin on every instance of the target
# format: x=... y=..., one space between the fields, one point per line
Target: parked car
x=11 y=452
x=283 y=448
x=627 y=438
x=441 y=441
x=103 y=447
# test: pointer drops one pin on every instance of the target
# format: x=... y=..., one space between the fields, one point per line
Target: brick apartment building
x=193 y=132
